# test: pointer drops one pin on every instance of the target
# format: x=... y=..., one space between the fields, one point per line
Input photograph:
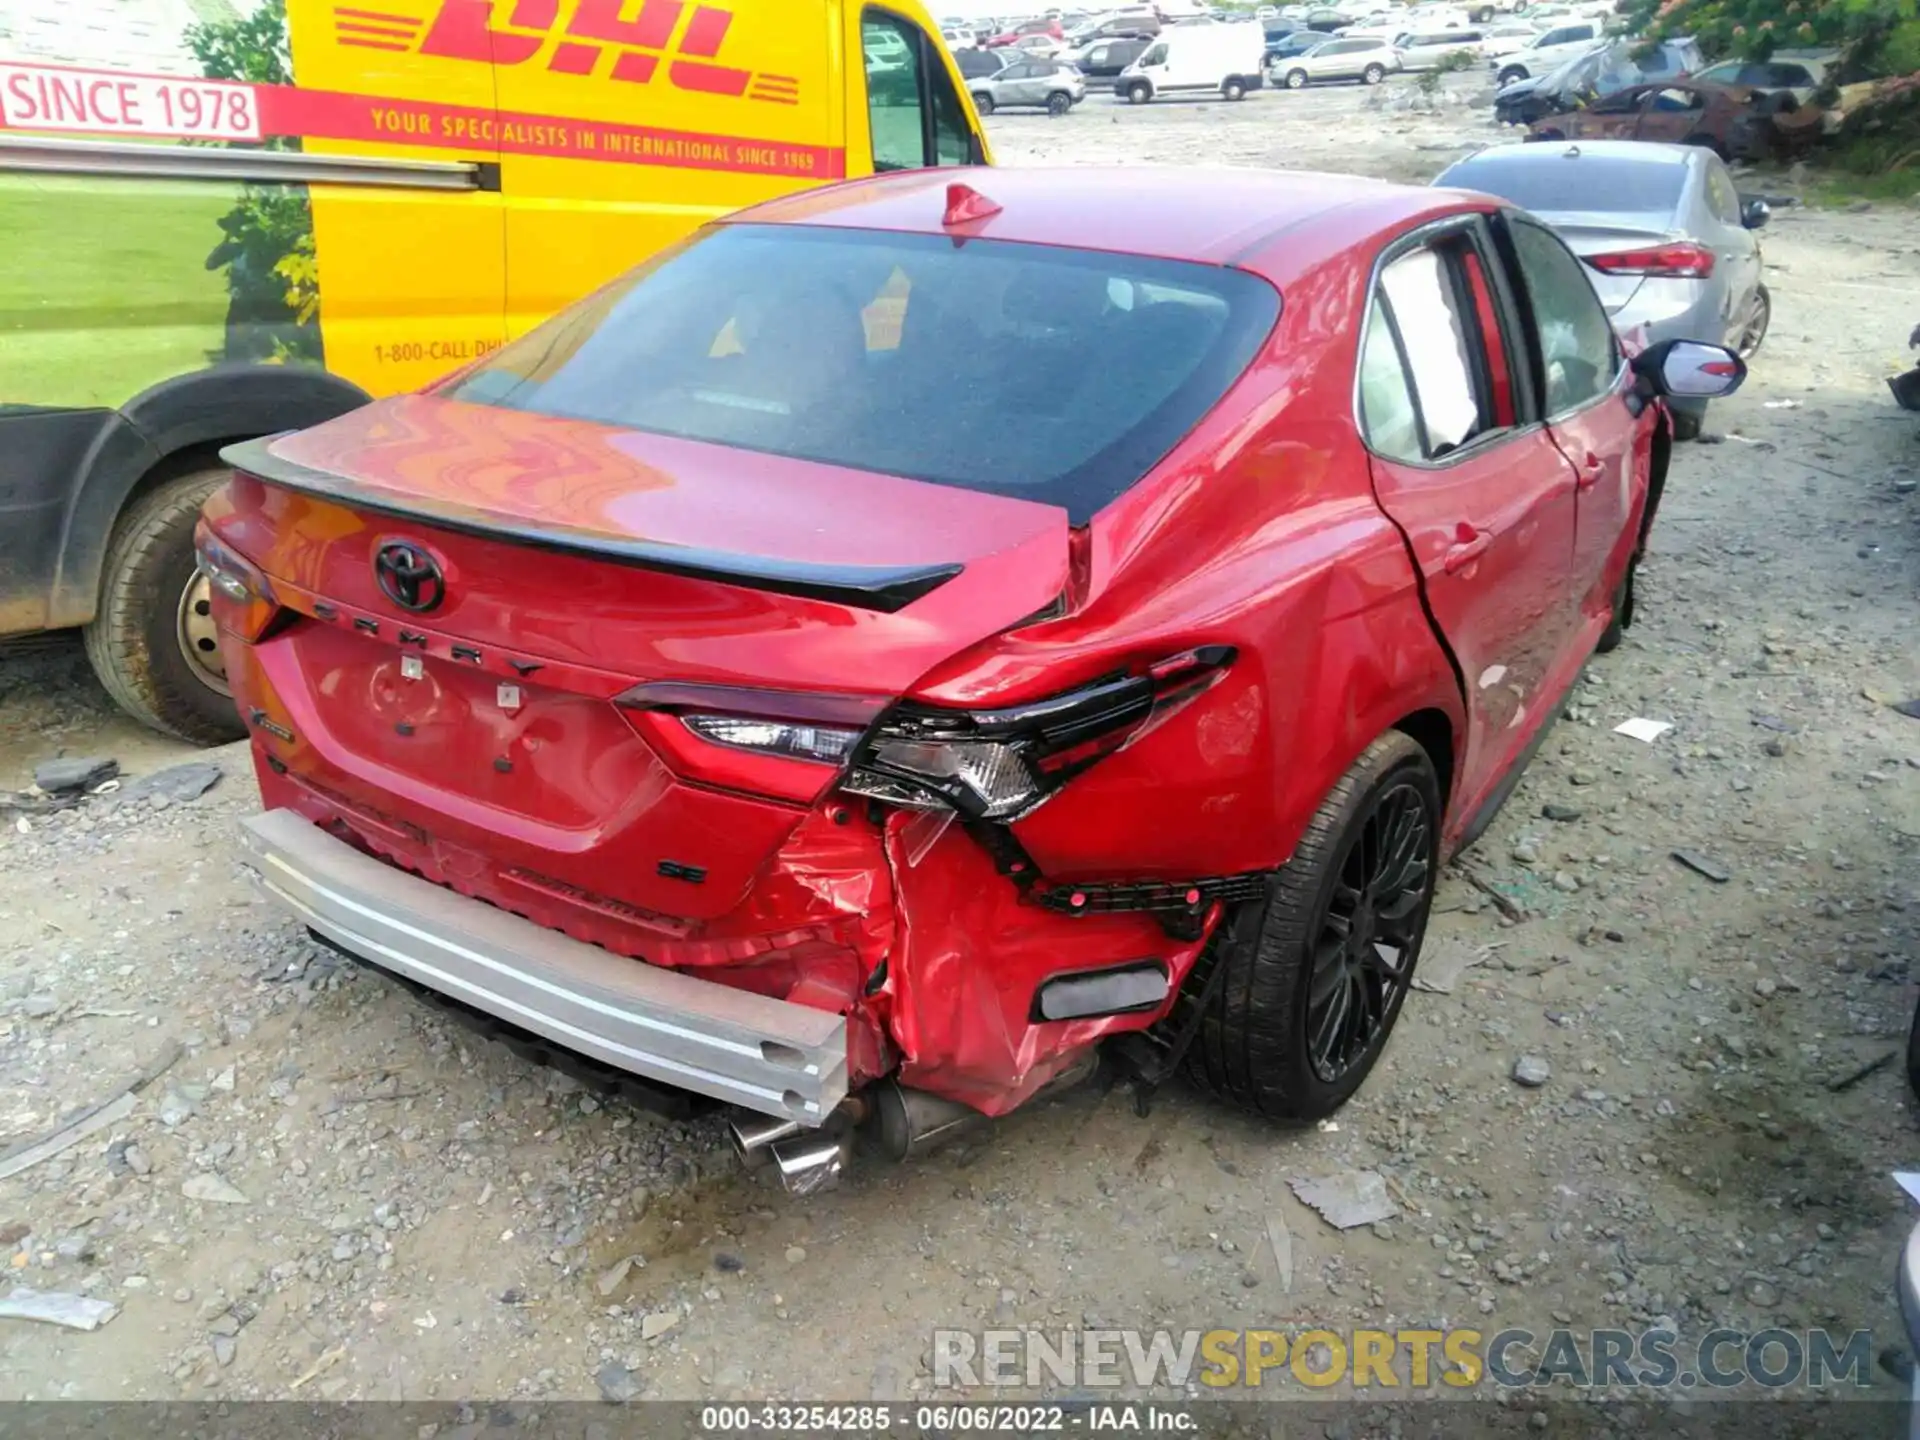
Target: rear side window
x=1722 y=197
x=1033 y=371
x=1427 y=365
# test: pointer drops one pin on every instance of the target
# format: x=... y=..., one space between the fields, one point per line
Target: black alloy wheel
x=1363 y=958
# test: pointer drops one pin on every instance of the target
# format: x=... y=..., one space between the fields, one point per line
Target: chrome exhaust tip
x=754 y=1136
x=811 y=1163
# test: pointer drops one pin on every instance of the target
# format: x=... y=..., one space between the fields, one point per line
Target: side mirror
x=1689 y=370
x=1755 y=213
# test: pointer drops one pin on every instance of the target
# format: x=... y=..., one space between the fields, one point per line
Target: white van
x=1224 y=60
x=1548 y=51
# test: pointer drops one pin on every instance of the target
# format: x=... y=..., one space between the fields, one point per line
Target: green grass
x=1835 y=187
x=104 y=288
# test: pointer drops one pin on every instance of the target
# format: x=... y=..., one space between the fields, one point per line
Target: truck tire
x=151 y=640
x=1257 y=1044
x=1139 y=93
x=1234 y=88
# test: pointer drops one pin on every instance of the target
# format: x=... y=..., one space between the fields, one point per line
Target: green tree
x=1875 y=37
x=253 y=48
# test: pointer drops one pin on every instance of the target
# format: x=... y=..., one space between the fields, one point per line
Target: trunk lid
x=578 y=561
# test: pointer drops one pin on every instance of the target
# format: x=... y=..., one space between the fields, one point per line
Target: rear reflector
x=1681 y=261
x=1102 y=992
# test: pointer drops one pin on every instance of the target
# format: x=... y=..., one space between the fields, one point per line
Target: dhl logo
x=641 y=46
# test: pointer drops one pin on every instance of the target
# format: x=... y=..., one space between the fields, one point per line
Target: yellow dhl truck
x=225 y=218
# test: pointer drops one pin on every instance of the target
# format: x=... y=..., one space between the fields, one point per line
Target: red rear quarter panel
x=1261 y=531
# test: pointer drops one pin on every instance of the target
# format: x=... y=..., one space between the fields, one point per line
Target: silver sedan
x=1668 y=243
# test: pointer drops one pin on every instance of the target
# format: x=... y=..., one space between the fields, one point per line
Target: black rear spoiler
x=885 y=588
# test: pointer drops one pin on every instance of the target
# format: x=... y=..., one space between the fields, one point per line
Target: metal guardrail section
x=674 y=1028
x=266 y=167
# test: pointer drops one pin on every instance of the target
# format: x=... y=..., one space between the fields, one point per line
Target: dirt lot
x=332 y=1192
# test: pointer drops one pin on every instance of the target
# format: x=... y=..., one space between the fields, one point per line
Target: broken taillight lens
x=1004 y=763
x=243 y=601
x=1682 y=260
x=821 y=743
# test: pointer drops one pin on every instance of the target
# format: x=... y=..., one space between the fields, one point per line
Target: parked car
x=1043 y=47
x=977 y=62
x=1426 y=50
x=1326 y=20
x=1602 y=71
x=1506 y=37
x=1546 y=52
x=1104 y=59
x=1732 y=121
x=1297 y=43
x=1666 y=239
x=1793 y=72
x=1119 y=26
x=1224 y=60
x=1049 y=28
x=1367 y=60
x=1050 y=85
x=915 y=808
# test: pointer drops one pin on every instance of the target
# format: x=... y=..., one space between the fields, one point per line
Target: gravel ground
x=333 y=1192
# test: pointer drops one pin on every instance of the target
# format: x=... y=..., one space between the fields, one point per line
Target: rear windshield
x=1033 y=371
x=1549 y=182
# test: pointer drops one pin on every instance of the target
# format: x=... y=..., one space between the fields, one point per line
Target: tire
x=1616 y=630
x=1687 y=426
x=1373 y=75
x=1913 y=1054
x=143 y=641
x=1296 y=79
x=1059 y=103
x=1750 y=340
x=1234 y=89
x=1509 y=75
x=1481 y=16
x=1139 y=93
x=1253 y=1048
x=983 y=102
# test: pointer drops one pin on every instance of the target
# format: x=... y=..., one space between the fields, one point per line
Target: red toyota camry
x=913 y=638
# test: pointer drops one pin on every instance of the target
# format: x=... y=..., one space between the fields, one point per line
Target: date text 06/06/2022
x=978 y=1419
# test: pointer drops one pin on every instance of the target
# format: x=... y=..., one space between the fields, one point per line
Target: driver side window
x=1579 y=356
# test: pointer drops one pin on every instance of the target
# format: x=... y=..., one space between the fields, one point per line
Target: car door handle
x=1468 y=546
x=1590 y=471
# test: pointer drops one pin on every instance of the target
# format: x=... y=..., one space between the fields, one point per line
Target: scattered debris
x=116 y=1107
x=1511 y=908
x=658 y=1323
x=326 y=1362
x=54 y=1307
x=1780 y=404
x=1561 y=814
x=1640 y=728
x=56 y=776
x=1281 y=1239
x=1440 y=968
x=177 y=783
x=1854 y=1077
x=1532 y=1071
x=1354 y=1197
x=615 y=1275
x=212 y=1189
x=617 y=1383
x=1908 y=708
x=1702 y=865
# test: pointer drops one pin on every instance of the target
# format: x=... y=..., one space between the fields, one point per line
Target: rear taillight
x=1002 y=764
x=1682 y=260
x=243 y=601
x=763 y=742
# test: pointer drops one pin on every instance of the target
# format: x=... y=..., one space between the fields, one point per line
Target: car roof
x=1214 y=216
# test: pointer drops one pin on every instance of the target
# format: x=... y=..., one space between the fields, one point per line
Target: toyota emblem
x=409 y=576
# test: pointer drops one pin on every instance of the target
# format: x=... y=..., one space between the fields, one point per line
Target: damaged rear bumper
x=767 y=1055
